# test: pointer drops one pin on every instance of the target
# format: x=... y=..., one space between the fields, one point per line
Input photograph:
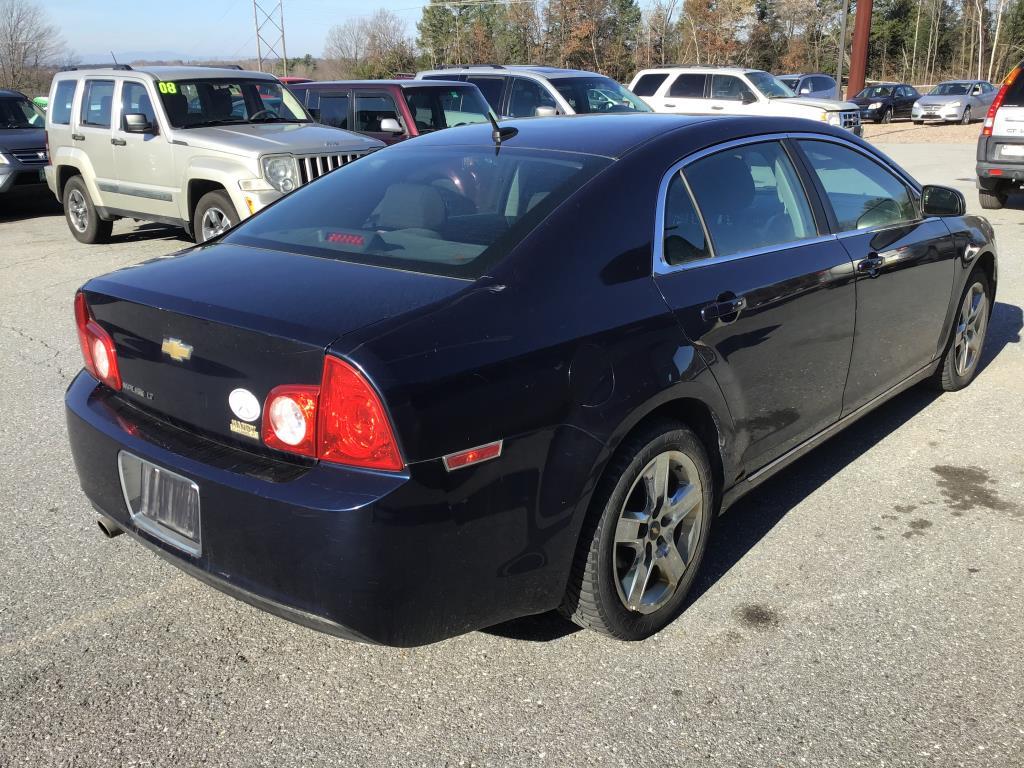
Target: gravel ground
x=905 y=132
x=862 y=608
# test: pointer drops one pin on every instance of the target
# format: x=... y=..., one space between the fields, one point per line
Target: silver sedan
x=955 y=101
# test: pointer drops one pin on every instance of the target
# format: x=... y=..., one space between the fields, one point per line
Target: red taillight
x=98 y=350
x=997 y=102
x=342 y=421
x=353 y=426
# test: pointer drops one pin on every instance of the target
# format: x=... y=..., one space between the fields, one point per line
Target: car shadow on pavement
x=750 y=519
x=31 y=205
x=151 y=231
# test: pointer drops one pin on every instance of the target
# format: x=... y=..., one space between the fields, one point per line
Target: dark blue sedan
x=489 y=373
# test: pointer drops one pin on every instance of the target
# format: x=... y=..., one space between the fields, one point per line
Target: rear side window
x=60 y=105
x=96 y=102
x=684 y=239
x=751 y=197
x=450 y=211
x=862 y=194
x=490 y=87
x=371 y=109
x=334 y=109
x=688 y=86
x=648 y=85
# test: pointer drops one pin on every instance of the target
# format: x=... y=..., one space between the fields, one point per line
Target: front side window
x=729 y=88
x=19 y=113
x=334 y=109
x=688 y=86
x=683 y=237
x=135 y=100
x=527 y=97
x=96 y=102
x=372 y=109
x=437 y=108
x=60 y=104
x=863 y=195
x=452 y=211
x=750 y=197
x=597 y=94
x=649 y=84
x=227 y=101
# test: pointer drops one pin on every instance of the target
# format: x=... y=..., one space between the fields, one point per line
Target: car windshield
x=950 y=89
x=435 y=108
x=598 y=94
x=227 y=101
x=451 y=211
x=770 y=85
x=875 y=92
x=20 y=113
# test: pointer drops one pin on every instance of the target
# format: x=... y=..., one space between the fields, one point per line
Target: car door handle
x=670 y=106
x=871 y=265
x=719 y=108
x=77 y=137
x=724 y=308
x=118 y=142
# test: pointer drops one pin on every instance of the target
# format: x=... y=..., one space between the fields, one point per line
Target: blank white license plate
x=1011 y=150
x=162 y=503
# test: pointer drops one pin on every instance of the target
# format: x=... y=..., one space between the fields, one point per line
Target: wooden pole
x=859 y=54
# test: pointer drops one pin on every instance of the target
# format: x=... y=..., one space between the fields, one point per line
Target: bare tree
x=374 y=46
x=28 y=44
x=346 y=45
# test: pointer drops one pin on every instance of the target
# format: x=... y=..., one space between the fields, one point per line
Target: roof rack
x=472 y=66
x=119 y=67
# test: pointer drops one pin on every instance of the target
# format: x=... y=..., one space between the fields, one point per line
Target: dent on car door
x=767 y=300
x=904 y=266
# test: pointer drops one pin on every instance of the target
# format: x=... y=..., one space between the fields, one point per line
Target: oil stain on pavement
x=758 y=616
x=917 y=528
x=969 y=488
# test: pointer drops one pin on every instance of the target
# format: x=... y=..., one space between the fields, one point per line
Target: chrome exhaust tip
x=109 y=527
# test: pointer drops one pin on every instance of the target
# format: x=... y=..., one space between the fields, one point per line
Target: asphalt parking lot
x=862 y=608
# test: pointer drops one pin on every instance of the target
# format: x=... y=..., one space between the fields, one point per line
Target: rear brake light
x=341 y=421
x=997 y=102
x=97 y=345
x=354 y=428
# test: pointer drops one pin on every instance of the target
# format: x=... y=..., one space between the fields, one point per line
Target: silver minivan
x=197 y=147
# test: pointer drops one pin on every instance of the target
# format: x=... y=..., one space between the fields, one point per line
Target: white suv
x=1001 y=144
x=735 y=91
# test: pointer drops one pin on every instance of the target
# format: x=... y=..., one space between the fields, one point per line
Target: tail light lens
x=997 y=102
x=341 y=421
x=97 y=345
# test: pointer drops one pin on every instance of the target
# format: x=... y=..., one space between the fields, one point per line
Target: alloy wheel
x=970 y=329
x=967 y=117
x=215 y=222
x=78 y=210
x=658 y=532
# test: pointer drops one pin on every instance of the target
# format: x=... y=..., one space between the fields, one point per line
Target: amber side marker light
x=472 y=456
x=997 y=102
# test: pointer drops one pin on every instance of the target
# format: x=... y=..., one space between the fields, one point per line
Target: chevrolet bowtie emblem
x=176 y=349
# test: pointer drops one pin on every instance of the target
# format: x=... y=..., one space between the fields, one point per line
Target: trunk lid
x=192 y=328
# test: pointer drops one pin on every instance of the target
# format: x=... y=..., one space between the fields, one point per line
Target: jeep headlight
x=835 y=119
x=281 y=171
x=4 y=160
x=875 y=105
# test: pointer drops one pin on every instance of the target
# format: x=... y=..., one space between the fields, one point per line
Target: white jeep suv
x=735 y=91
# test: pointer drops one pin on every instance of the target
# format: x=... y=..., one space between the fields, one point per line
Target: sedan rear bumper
x=355 y=553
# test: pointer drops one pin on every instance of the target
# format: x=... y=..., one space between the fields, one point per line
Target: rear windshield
x=452 y=211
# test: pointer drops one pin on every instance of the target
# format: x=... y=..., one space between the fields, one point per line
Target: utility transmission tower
x=270 y=45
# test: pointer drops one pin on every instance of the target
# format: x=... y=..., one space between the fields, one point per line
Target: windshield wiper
x=278 y=120
x=208 y=123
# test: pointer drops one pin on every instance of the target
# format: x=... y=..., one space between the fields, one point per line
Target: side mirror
x=136 y=122
x=390 y=125
x=942 y=201
x=805 y=91
x=545 y=112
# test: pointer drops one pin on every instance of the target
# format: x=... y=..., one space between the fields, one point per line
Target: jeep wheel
x=991 y=201
x=83 y=221
x=214 y=216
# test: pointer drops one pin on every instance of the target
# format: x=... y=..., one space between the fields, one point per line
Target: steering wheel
x=266 y=111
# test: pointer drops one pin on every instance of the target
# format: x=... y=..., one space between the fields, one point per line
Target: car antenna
x=113 y=57
x=499 y=134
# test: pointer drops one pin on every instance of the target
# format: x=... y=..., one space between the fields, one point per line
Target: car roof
x=394 y=83
x=698 y=67
x=173 y=72
x=12 y=93
x=552 y=73
x=807 y=74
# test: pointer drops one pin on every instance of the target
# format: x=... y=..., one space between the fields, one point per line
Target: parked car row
x=23 y=153
x=952 y=101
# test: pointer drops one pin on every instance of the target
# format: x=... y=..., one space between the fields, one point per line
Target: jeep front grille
x=31 y=156
x=314 y=166
x=851 y=119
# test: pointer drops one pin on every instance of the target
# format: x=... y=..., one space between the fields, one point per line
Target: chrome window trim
x=662 y=267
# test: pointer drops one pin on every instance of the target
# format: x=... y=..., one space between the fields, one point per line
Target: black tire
x=886 y=116
x=919 y=122
x=966 y=119
x=950 y=377
x=594 y=597
x=79 y=212
x=213 y=203
x=991 y=201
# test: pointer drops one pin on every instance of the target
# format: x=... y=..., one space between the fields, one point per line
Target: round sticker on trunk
x=244 y=404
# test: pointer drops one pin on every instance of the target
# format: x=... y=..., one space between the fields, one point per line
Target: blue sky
x=203 y=28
